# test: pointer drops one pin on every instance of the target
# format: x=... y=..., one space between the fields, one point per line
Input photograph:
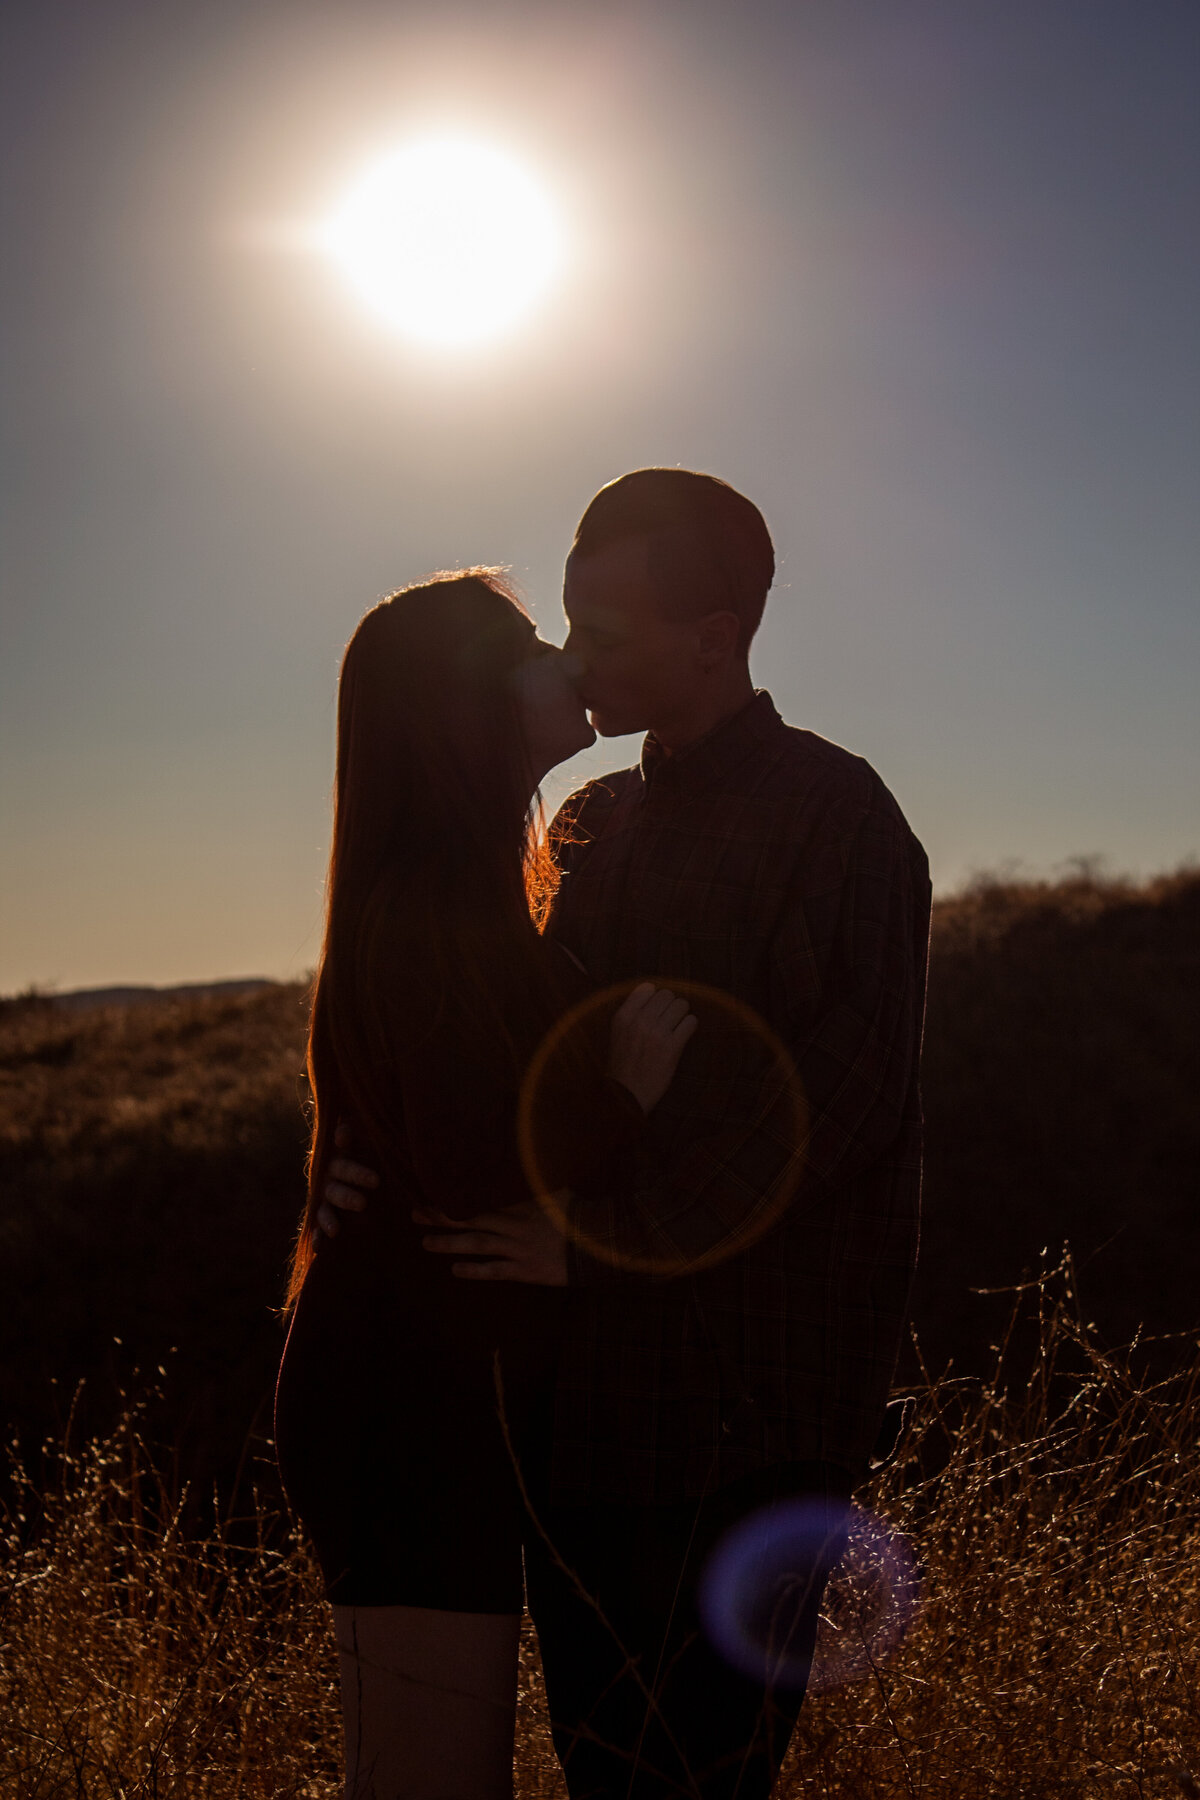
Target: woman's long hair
x=439 y=876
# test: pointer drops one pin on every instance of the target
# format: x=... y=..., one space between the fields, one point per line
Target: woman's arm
x=525 y=1243
x=460 y=1107
x=460 y=1111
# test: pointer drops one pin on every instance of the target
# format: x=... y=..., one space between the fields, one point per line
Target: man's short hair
x=710 y=550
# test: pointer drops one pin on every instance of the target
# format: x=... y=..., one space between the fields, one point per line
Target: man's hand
x=521 y=1243
x=348 y=1187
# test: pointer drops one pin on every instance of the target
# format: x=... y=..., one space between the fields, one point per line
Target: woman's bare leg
x=429 y=1702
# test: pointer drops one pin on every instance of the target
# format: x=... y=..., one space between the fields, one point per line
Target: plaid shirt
x=775 y=867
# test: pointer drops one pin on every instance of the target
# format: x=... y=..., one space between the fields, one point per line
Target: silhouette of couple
x=613 y=1194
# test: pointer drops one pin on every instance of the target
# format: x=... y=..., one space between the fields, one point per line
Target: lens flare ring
x=785 y=1084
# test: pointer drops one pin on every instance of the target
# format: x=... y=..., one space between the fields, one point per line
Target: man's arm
x=855 y=1059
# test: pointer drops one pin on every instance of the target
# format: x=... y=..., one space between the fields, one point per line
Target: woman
x=433 y=992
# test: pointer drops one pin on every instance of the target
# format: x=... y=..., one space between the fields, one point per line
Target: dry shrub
x=1060 y=1074
x=140 y=1660
x=151 y=1178
x=1053 y=1511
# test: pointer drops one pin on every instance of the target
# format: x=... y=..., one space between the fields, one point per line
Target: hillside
x=150 y=1183
x=1062 y=1097
x=150 y=1157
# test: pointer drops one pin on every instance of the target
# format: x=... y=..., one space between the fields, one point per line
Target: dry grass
x=140 y=1661
x=150 y=1173
x=1054 y=1512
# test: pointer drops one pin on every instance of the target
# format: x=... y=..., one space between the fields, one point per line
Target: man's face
x=639 y=669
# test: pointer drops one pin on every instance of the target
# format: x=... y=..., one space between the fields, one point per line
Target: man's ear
x=717 y=637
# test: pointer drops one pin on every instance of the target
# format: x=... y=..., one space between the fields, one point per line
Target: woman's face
x=552 y=714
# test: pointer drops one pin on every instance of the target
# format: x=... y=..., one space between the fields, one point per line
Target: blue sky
x=922 y=279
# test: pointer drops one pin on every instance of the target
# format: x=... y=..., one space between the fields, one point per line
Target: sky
x=921 y=277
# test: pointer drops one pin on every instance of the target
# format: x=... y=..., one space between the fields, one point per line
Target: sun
x=450 y=240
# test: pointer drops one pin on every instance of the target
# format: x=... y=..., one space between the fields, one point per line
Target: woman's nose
x=572 y=665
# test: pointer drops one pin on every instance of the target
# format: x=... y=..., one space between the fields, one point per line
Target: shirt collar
x=712 y=759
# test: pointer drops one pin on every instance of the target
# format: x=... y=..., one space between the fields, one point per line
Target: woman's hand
x=649 y=1033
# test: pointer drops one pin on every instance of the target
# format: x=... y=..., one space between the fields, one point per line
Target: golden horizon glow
x=451 y=240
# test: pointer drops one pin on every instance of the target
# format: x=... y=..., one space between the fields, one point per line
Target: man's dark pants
x=642 y=1707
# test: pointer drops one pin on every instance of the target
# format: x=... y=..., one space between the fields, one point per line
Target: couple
x=641 y=1117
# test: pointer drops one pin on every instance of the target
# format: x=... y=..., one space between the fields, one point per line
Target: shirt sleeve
x=842 y=1106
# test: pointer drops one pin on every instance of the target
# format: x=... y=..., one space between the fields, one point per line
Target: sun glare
x=450 y=240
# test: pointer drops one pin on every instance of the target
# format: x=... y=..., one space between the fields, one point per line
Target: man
x=739 y=1299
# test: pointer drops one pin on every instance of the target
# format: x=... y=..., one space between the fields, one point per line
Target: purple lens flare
x=755 y=1596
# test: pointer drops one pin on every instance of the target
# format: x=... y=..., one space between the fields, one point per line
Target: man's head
x=664 y=589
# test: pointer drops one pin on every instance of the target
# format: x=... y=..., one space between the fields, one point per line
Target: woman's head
x=443 y=724
x=450 y=709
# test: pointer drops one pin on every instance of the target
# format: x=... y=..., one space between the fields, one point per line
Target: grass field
x=1053 y=1511
x=150 y=1179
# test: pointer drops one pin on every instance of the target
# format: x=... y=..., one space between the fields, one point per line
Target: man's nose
x=572 y=665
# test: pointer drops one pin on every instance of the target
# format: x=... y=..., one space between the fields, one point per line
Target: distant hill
x=86 y=999
x=151 y=1155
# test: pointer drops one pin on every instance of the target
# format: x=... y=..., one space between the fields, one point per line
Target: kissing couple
x=615 y=1168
